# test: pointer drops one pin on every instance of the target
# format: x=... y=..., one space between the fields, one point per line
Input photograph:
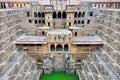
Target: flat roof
x=87 y=40
x=59 y=31
x=31 y=38
x=11 y=9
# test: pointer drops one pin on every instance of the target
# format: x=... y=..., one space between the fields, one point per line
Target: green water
x=58 y=76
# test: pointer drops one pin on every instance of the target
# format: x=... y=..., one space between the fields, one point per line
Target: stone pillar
x=68 y=47
x=55 y=47
x=49 y=47
x=62 y=48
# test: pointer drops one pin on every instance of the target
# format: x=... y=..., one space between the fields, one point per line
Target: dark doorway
x=79 y=22
x=35 y=21
x=88 y=21
x=21 y=5
x=39 y=21
x=43 y=15
x=66 y=47
x=43 y=33
x=69 y=23
x=30 y=21
x=79 y=15
x=43 y=21
x=75 y=22
x=75 y=15
x=59 y=14
x=83 y=14
x=54 y=15
x=28 y=14
x=59 y=47
x=82 y=22
x=39 y=14
x=64 y=15
x=91 y=13
x=4 y=5
x=1 y=5
x=118 y=5
x=35 y=14
x=52 y=47
x=48 y=23
x=75 y=33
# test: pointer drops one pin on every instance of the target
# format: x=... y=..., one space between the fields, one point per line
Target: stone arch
x=75 y=22
x=48 y=24
x=66 y=47
x=43 y=15
x=88 y=21
x=75 y=15
x=52 y=47
x=69 y=23
x=17 y=5
x=28 y=14
x=43 y=32
x=35 y=14
x=21 y=6
x=59 y=47
x=35 y=21
x=75 y=33
x=39 y=21
x=78 y=21
x=30 y=21
x=54 y=15
x=83 y=14
x=39 y=14
x=79 y=14
x=59 y=14
x=4 y=5
x=91 y=13
x=12 y=5
x=82 y=21
x=64 y=15
x=43 y=21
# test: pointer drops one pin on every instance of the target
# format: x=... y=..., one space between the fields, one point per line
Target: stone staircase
x=59 y=62
x=117 y=72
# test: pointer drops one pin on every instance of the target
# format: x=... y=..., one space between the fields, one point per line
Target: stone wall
x=104 y=62
x=14 y=63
